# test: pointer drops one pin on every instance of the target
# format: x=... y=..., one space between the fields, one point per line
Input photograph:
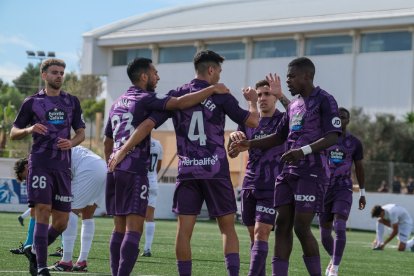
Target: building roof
x=240 y=18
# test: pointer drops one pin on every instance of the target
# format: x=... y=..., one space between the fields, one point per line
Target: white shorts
x=152 y=193
x=88 y=186
x=404 y=232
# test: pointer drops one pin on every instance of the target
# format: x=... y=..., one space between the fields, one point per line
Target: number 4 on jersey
x=197 y=121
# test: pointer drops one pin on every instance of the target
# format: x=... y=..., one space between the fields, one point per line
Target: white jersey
x=88 y=178
x=396 y=214
x=155 y=155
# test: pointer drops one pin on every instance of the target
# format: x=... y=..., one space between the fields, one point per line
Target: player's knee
x=302 y=231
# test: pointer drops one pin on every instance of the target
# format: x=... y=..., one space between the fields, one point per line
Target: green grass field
x=359 y=259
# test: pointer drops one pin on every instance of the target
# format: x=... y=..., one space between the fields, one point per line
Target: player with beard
x=49 y=116
x=262 y=169
x=127 y=185
x=310 y=125
x=338 y=197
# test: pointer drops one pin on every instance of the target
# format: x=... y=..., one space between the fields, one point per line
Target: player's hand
x=64 y=144
x=292 y=156
x=275 y=86
x=237 y=136
x=238 y=146
x=250 y=94
x=220 y=88
x=362 y=203
x=115 y=159
x=38 y=128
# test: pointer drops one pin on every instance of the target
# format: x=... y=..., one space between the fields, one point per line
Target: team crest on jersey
x=337 y=156
x=56 y=116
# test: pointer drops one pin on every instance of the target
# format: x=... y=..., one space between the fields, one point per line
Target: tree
x=85 y=87
x=7 y=115
x=384 y=138
x=28 y=82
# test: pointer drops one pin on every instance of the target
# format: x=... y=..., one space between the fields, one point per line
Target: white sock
x=149 y=234
x=88 y=230
x=69 y=237
x=26 y=213
x=380 y=233
x=409 y=244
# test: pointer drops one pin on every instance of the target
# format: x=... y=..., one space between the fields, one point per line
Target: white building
x=363 y=50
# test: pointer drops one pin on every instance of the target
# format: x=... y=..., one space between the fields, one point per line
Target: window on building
x=274 y=48
x=229 y=51
x=388 y=41
x=123 y=57
x=176 y=54
x=328 y=45
x=119 y=57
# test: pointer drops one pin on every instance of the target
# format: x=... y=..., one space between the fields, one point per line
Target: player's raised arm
x=251 y=97
x=276 y=89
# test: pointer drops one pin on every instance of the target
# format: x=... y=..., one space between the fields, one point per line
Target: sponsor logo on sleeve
x=336 y=122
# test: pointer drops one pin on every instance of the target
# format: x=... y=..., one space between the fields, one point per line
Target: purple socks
x=232 y=264
x=115 y=251
x=258 y=255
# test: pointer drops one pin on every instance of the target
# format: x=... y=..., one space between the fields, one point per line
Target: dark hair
x=51 y=61
x=205 y=58
x=376 y=211
x=19 y=167
x=261 y=83
x=137 y=67
x=343 y=109
x=304 y=64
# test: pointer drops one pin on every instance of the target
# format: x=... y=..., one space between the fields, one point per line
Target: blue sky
x=58 y=26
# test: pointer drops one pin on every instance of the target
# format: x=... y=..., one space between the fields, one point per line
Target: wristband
x=306 y=150
x=362 y=192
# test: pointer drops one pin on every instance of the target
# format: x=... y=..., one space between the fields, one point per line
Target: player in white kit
x=156 y=154
x=399 y=220
x=88 y=189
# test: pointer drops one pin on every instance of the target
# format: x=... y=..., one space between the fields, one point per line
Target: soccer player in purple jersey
x=262 y=168
x=49 y=116
x=338 y=197
x=310 y=125
x=127 y=184
x=203 y=169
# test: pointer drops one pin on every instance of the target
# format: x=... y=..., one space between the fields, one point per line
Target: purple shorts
x=257 y=206
x=50 y=186
x=126 y=193
x=337 y=201
x=306 y=193
x=189 y=196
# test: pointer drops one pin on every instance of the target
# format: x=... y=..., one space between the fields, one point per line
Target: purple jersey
x=306 y=121
x=59 y=114
x=263 y=166
x=341 y=156
x=200 y=133
x=128 y=111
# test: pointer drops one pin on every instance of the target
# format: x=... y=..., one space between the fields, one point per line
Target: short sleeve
x=330 y=115
x=234 y=111
x=25 y=115
x=78 y=121
x=108 y=129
